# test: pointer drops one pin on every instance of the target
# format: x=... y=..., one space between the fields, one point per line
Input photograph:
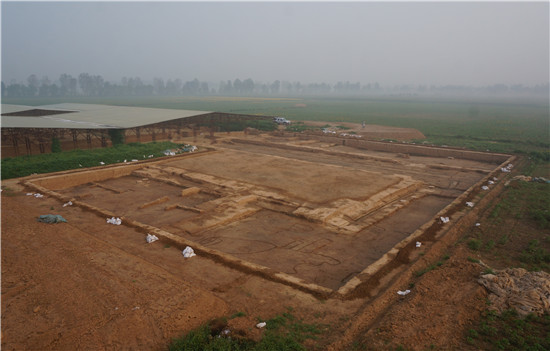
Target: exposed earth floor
x=315 y=211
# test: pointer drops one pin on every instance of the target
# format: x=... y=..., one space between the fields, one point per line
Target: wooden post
x=14 y=141
x=75 y=138
x=28 y=145
x=103 y=140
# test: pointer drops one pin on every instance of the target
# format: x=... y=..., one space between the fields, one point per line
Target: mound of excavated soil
x=372 y=131
x=526 y=292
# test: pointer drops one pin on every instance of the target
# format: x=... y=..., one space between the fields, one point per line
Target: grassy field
x=44 y=163
x=514 y=232
x=496 y=125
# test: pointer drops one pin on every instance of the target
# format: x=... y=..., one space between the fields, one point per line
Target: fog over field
x=392 y=43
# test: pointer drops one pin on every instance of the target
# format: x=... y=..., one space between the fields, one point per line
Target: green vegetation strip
x=508 y=331
x=282 y=333
x=61 y=161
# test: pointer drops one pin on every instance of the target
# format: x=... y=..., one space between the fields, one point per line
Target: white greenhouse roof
x=90 y=116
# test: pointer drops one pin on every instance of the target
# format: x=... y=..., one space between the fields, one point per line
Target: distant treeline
x=94 y=85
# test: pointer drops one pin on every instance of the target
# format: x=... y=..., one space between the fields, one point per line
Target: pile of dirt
x=526 y=292
x=372 y=131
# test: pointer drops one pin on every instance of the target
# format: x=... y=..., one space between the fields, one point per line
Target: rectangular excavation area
x=319 y=217
x=146 y=200
x=299 y=180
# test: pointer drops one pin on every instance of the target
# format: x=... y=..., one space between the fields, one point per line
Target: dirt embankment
x=372 y=131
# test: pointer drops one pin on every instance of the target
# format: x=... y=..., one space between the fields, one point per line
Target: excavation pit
x=314 y=213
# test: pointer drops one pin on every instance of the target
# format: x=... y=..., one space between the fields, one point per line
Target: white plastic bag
x=151 y=238
x=188 y=252
x=115 y=221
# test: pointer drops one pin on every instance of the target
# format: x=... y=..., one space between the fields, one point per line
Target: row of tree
x=94 y=85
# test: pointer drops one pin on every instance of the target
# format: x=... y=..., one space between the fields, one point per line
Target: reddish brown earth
x=67 y=287
x=443 y=304
x=90 y=285
x=372 y=131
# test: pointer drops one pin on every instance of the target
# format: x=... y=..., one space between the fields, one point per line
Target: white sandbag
x=188 y=252
x=115 y=221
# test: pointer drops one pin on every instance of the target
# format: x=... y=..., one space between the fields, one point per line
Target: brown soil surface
x=372 y=131
x=443 y=305
x=90 y=285
x=63 y=288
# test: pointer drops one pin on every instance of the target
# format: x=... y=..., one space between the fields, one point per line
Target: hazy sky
x=464 y=43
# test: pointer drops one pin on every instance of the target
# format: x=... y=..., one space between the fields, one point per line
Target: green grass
x=535 y=256
x=44 y=163
x=508 y=331
x=298 y=127
x=432 y=266
x=525 y=200
x=517 y=224
x=474 y=244
x=282 y=333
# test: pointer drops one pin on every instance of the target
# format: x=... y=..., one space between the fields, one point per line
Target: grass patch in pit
x=283 y=332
